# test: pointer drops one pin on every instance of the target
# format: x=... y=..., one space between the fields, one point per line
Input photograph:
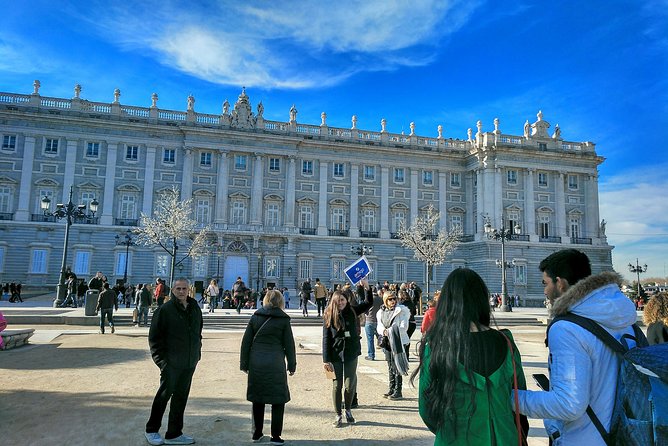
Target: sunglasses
x=391 y=299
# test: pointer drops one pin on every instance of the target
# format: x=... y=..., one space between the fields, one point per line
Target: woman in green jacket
x=466 y=369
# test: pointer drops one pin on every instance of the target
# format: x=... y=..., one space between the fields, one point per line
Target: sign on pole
x=358 y=270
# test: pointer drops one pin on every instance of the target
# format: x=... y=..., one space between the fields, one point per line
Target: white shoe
x=154 y=438
x=181 y=439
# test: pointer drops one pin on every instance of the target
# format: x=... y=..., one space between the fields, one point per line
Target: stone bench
x=16 y=338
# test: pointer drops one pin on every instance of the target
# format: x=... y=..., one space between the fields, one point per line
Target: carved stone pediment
x=242 y=115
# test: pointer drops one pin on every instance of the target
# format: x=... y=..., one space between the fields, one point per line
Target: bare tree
x=173 y=229
x=429 y=245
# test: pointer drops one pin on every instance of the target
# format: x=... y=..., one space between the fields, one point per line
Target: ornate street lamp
x=502 y=234
x=127 y=242
x=637 y=269
x=362 y=249
x=70 y=212
x=219 y=253
x=259 y=269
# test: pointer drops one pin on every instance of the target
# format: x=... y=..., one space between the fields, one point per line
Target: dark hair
x=464 y=300
x=569 y=264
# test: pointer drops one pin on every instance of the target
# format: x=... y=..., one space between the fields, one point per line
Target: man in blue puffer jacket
x=583 y=371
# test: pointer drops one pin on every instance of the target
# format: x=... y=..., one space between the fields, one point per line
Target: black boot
x=392 y=385
x=397 y=389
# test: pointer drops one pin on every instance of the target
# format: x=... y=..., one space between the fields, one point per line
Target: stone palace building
x=285 y=200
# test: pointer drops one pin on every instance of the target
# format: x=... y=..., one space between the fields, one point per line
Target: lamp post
x=219 y=252
x=69 y=211
x=637 y=269
x=259 y=267
x=127 y=242
x=362 y=249
x=502 y=234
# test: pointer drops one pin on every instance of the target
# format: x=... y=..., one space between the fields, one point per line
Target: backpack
x=640 y=413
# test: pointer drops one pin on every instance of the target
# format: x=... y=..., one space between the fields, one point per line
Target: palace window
x=544 y=225
x=205 y=159
x=398 y=220
x=370 y=173
x=128 y=206
x=455 y=221
x=169 y=156
x=304 y=269
x=273 y=214
x=93 y=150
x=238 y=213
x=542 y=179
x=512 y=176
x=339 y=170
x=38 y=261
x=455 y=179
x=338 y=219
x=51 y=146
x=200 y=266
x=573 y=182
x=399 y=175
x=131 y=153
x=307 y=167
x=368 y=220
x=162 y=265
x=306 y=217
x=574 y=223
x=5 y=199
x=203 y=210
x=399 y=272
x=82 y=262
x=272 y=267
x=427 y=177
x=120 y=263
x=520 y=274
x=240 y=162
x=9 y=142
x=338 y=265
x=274 y=164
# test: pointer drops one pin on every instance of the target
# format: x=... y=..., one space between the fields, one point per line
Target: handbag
x=521 y=434
x=384 y=342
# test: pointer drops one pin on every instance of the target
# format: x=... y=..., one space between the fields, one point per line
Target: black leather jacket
x=175 y=337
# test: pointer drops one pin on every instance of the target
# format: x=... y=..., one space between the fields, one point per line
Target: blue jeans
x=142 y=312
x=109 y=313
x=371 y=335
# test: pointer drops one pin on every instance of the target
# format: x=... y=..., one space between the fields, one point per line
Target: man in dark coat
x=106 y=303
x=266 y=345
x=175 y=339
x=305 y=296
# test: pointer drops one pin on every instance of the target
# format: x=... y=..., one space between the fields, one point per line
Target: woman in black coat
x=266 y=345
x=341 y=345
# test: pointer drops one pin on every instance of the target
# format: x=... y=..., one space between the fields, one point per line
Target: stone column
x=480 y=206
x=591 y=207
x=468 y=218
x=529 y=206
x=187 y=178
x=443 y=200
x=107 y=217
x=290 y=193
x=560 y=211
x=70 y=164
x=384 y=202
x=149 y=180
x=499 y=213
x=487 y=197
x=25 y=189
x=257 y=189
x=322 y=200
x=414 y=196
x=354 y=201
x=222 y=187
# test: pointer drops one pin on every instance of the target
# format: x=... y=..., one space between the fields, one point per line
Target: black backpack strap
x=607 y=339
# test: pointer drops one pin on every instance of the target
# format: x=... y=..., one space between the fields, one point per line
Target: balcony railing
x=43 y=218
x=520 y=237
x=466 y=238
x=307 y=231
x=369 y=234
x=87 y=220
x=549 y=239
x=126 y=222
x=338 y=232
x=6 y=216
x=581 y=240
x=394 y=235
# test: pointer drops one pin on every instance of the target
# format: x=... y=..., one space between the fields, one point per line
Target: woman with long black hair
x=341 y=345
x=467 y=369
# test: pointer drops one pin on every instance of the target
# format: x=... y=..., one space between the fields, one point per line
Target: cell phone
x=541 y=381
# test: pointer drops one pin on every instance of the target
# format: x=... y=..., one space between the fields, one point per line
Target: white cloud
x=633 y=203
x=282 y=44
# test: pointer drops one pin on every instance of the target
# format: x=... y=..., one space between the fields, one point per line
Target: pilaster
x=322 y=199
x=384 y=202
x=23 y=211
x=187 y=178
x=149 y=180
x=290 y=193
x=354 y=201
x=256 y=194
x=70 y=164
x=107 y=217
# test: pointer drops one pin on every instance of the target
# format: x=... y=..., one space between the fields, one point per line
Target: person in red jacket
x=430 y=313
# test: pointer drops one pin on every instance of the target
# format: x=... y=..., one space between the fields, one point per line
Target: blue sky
x=598 y=69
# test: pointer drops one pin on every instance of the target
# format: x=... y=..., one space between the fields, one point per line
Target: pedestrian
x=212 y=290
x=467 y=369
x=320 y=294
x=266 y=346
x=5 y=291
x=239 y=293
x=393 y=326
x=341 y=345
x=655 y=317
x=305 y=296
x=159 y=291
x=286 y=297
x=583 y=370
x=370 y=325
x=71 y=286
x=143 y=303
x=96 y=282
x=106 y=302
x=429 y=315
x=175 y=339
x=407 y=302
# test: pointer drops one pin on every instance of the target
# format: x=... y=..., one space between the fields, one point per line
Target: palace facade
x=285 y=200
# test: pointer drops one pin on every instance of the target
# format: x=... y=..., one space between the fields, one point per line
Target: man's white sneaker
x=154 y=438
x=181 y=439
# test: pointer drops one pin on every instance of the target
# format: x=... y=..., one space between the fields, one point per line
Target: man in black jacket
x=175 y=338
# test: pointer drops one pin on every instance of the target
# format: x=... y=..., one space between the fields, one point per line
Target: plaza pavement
x=73 y=386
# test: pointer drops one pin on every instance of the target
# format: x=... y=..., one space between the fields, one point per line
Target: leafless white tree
x=429 y=245
x=173 y=228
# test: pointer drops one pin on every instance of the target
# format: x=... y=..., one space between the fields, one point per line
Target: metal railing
x=338 y=232
x=126 y=222
x=369 y=234
x=581 y=240
x=549 y=239
x=307 y=231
